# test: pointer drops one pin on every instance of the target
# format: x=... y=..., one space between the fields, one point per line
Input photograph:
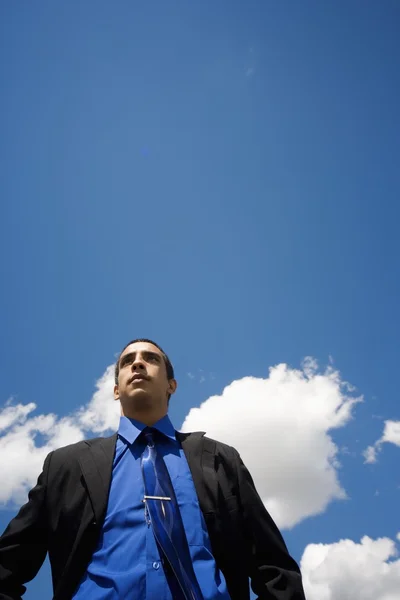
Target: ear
x=116 y=392
x=172 y=385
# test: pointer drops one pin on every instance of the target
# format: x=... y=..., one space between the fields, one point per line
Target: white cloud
x=102 y=412
x=391 y=435
x=26 y=440
x=349 y=571
x=281 y=427
x=391 y=432
x=13 y=414
x=370 y=454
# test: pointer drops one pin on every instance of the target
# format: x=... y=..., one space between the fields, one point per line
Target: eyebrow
x=146 y=354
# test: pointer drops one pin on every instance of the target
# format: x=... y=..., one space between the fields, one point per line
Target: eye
x=126 y=361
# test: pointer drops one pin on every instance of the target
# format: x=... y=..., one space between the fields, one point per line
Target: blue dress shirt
x=126 y=563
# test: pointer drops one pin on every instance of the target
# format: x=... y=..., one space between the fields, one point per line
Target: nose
x=138 y=364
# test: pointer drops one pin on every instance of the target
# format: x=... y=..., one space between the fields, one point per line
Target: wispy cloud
x=200 y=377
x=391 y=435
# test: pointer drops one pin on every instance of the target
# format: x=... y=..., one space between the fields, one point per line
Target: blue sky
x=223 y=178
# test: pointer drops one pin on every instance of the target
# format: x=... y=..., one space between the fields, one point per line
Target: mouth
x=138 y=379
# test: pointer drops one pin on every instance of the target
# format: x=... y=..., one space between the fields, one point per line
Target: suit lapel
x=200 y=454
x=96 y=464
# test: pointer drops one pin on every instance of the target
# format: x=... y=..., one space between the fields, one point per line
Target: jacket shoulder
x=199 y=441
x=220 y=448
x=73 y=451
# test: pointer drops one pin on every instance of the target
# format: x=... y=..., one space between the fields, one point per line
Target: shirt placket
x=156 y=586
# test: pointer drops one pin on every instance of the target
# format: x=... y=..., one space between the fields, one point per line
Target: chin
x=139 y=394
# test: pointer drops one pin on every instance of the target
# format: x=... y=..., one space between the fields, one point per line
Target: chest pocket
x=193 y=521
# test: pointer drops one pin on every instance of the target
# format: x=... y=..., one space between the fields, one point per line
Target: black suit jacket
x=66 y=509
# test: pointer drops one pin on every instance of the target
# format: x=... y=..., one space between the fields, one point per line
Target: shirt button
x=156 y=565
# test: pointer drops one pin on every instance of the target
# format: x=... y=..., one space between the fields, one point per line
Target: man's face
x=143 y=375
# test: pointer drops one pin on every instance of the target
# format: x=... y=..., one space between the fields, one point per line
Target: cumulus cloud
x=102 y=412
x=347 y=570
x=25 y=440
x=391 y=435
x=281 y=426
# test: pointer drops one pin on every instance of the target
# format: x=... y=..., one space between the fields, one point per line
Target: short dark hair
x=168 y=364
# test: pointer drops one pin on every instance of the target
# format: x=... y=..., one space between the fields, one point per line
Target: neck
x=147 y=417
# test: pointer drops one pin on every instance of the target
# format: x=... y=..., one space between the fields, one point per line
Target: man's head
x=144 y=377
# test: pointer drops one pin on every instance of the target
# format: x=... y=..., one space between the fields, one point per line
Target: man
x=148 y=513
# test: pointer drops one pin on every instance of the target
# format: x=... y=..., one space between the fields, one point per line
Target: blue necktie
x=166 y=521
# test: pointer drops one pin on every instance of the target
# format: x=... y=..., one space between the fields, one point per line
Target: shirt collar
x=130 y=429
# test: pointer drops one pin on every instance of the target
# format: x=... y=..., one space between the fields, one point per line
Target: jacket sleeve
x=274 y=574
x=23 y=545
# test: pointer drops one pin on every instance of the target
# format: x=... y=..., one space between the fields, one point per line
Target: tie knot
x=148 y=433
